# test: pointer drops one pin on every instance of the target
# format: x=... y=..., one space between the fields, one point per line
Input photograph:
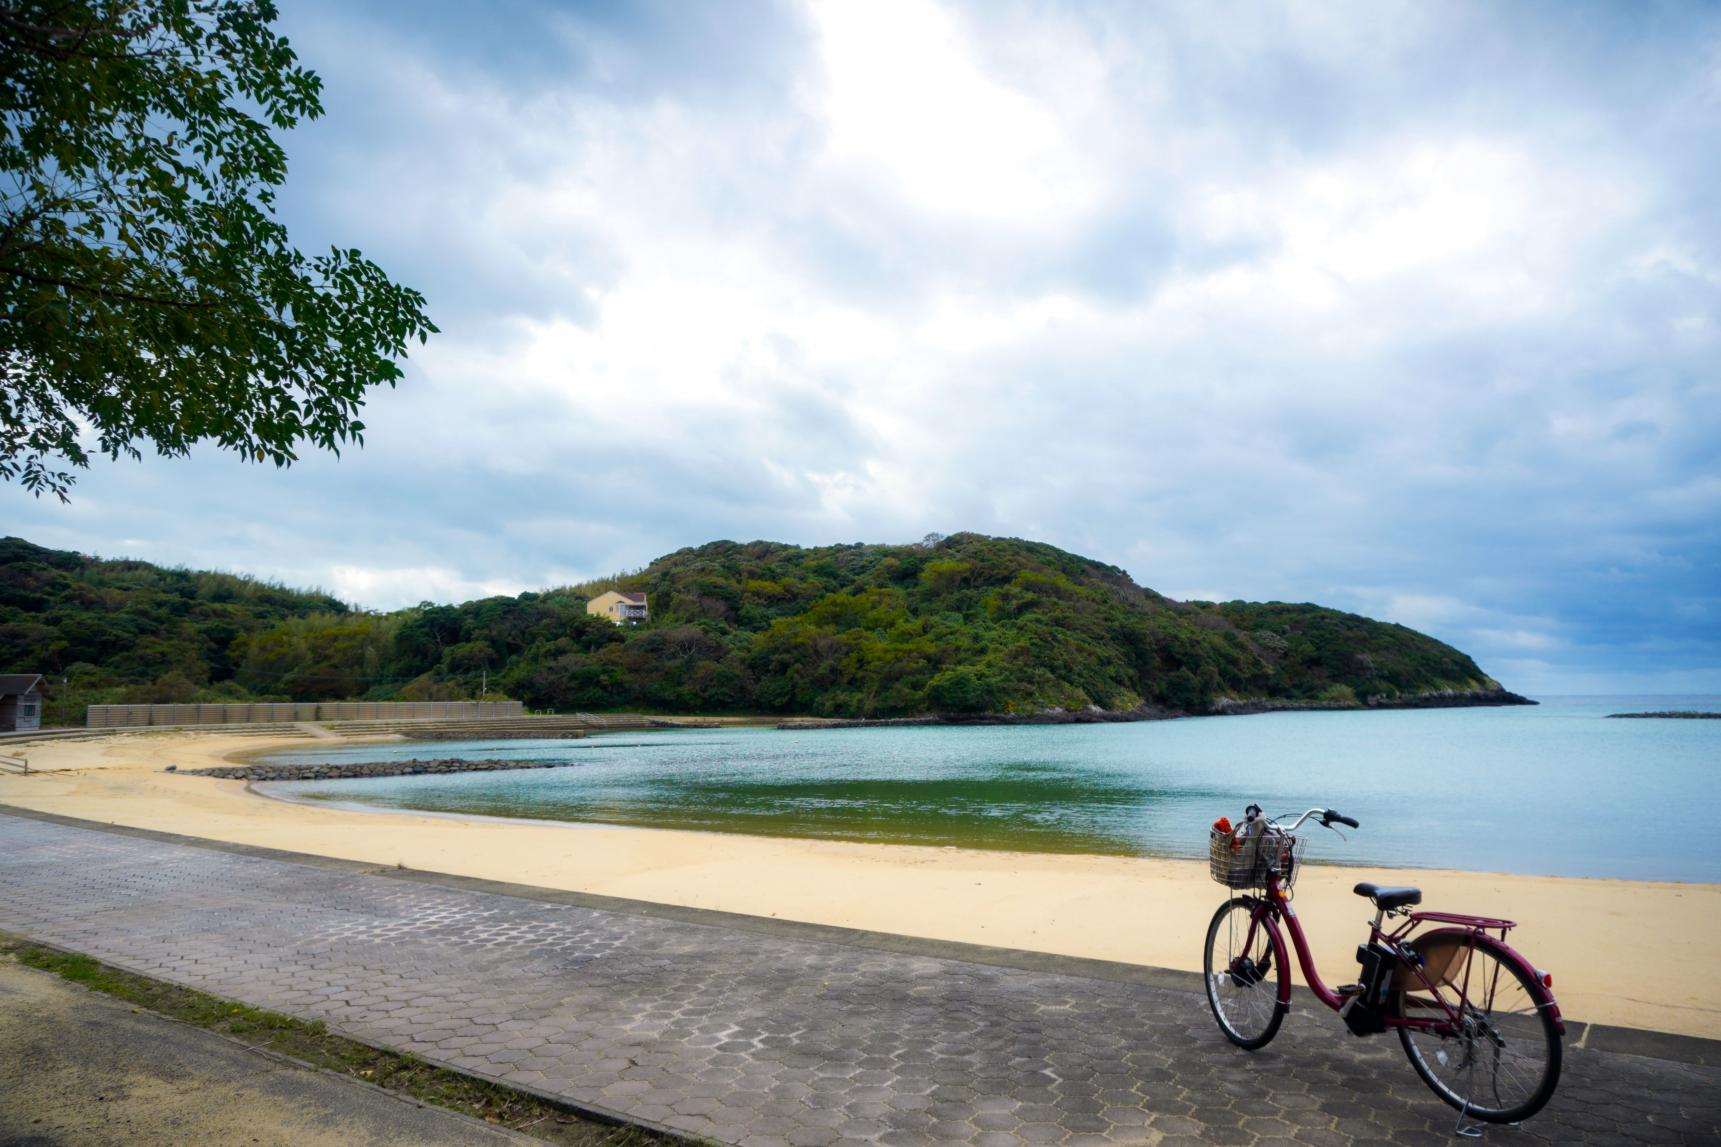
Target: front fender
x=1262 y=913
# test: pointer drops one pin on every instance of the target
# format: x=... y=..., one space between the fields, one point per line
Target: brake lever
x=1328 y=826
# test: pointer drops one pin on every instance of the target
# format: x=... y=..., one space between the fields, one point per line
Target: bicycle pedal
x=1346 y=991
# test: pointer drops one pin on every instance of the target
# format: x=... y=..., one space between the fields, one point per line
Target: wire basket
x=1247 y=865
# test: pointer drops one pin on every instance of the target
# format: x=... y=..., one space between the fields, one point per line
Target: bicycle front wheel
x=1244 y=967
x=1499 y=1061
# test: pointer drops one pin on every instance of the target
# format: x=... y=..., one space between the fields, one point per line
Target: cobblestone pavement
x=756 y=1039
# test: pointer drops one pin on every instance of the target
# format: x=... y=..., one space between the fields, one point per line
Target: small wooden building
x=20 y=702
x=621 y=608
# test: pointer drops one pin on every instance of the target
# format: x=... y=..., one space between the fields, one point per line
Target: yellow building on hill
x=621 y=608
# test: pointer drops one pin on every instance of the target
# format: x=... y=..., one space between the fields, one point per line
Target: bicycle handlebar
x=1326 y=816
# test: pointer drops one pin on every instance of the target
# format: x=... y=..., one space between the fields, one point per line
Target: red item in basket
x=1223 y=824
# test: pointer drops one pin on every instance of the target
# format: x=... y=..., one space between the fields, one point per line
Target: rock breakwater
x=411 y=768
x=1670 y=715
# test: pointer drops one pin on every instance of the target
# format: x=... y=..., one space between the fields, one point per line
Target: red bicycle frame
x=1266 y=910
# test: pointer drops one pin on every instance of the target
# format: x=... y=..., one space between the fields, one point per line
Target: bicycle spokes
x=1243 y=977
x=1484 y=1043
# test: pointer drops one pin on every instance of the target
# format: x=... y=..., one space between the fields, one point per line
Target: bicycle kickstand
x=1472 y=1129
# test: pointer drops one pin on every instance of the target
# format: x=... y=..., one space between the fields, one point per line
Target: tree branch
x=47 y=41
x=103 y=292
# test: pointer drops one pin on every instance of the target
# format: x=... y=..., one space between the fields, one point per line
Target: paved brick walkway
x=757 y=1039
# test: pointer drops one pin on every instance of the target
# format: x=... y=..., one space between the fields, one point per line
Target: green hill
x=129 y=630
x=963 y=626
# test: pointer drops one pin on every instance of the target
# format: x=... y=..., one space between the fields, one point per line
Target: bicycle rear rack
x=1486 y=923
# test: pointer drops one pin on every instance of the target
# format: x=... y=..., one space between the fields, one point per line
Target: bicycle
x=1478 y=1022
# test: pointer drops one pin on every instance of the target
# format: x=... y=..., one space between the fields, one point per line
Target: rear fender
x=1441 y=950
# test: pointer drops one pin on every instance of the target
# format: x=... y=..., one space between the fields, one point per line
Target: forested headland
x=960 y=626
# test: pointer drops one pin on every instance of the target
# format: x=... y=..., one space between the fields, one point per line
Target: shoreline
x=1621 y=951
x=264 y=789
x=1222 y=707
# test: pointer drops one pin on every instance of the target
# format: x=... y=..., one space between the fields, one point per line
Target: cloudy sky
x=1413 y=310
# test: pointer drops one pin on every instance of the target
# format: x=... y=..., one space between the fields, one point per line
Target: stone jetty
x=411 y=768
x=1671 y=715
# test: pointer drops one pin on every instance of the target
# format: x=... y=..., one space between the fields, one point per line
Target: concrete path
x=754 y=1036
x=81 y=1070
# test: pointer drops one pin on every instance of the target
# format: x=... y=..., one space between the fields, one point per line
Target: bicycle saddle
x=1389 y=898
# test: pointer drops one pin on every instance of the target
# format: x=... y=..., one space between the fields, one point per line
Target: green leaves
x=148 y=295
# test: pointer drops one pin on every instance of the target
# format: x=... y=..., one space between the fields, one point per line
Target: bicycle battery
x=1363 y=1010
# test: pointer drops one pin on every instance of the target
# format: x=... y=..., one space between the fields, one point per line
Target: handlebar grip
x=1330 y=815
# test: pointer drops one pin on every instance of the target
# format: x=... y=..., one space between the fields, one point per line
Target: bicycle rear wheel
x=1244 y=965
x=1500 y=1061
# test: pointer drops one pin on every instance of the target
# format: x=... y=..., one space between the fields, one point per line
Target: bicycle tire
x=1246 y=978
x=1513 y=1026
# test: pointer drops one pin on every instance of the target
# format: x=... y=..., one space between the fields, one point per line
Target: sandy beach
x=1621 y=952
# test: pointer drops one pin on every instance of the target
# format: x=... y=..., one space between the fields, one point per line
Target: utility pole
x=484 y=690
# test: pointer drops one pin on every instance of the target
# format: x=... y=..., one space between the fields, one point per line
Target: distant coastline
x=1222 y=707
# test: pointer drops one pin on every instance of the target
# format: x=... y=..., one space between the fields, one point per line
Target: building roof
x=616 y=604
x=11 y=683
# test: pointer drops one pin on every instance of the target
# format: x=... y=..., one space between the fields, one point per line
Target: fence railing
x=270 y=712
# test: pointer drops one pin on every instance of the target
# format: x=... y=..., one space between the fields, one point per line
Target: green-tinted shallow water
x=1552 y=789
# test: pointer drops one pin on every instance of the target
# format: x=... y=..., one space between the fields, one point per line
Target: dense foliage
x=132 y=631
x=960 y=625
x=148 y=292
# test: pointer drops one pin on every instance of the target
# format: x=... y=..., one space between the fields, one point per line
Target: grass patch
x=312 y=1042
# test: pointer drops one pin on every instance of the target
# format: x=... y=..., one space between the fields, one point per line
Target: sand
x=1632 y=953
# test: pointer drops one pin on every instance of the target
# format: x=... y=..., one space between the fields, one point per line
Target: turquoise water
x=1553 y=789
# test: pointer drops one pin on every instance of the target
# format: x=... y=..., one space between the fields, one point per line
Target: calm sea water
x=1553 y=789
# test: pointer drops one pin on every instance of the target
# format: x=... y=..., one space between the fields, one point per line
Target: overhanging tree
x=148 y=293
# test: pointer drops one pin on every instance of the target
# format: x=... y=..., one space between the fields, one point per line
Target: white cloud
x=1409 y=239
x=1425 y=610
x=409 y=585
x=909 y=108
x=1518 y=639
x=1288 y=304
